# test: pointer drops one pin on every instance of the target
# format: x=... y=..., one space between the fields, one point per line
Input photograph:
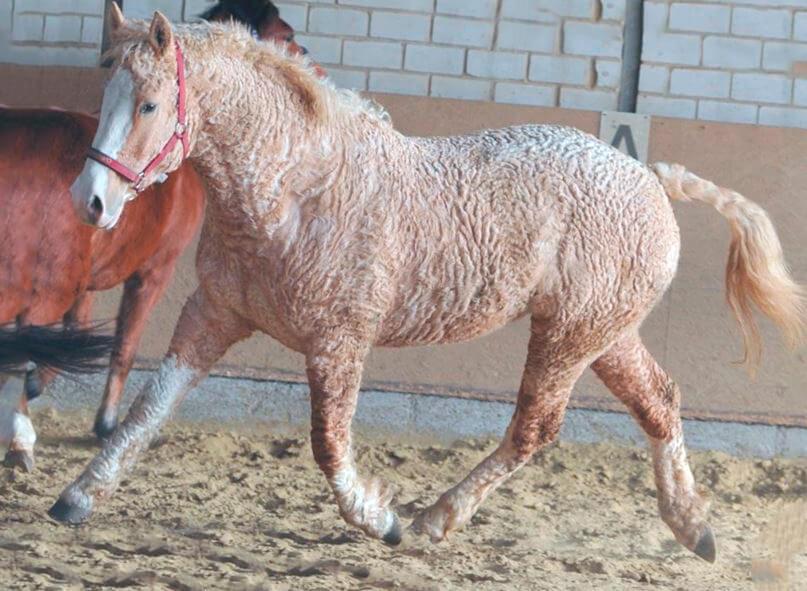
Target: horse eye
x=289 y=38
x=147 y=108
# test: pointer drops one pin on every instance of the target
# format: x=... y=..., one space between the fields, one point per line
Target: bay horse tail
x=69 y=350
x=756 y=272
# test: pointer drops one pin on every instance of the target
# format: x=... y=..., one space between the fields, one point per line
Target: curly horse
x=333 y=233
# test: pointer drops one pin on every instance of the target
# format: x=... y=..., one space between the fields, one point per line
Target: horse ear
x=161 y=36
x=116 y=18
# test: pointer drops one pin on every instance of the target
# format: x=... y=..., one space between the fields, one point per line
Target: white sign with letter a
x=627 y=132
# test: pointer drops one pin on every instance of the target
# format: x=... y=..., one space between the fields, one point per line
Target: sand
x=241 y=507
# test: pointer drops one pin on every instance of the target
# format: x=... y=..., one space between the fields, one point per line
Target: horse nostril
x=96 y=208
x=304 y=50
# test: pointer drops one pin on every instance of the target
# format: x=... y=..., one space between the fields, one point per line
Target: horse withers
x=332 y=232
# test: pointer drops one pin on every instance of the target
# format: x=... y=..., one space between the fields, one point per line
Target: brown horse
x=50 y=263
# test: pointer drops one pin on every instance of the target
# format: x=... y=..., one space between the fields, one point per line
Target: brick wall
x=536 y=52
x=725 y=61
x=728 y=60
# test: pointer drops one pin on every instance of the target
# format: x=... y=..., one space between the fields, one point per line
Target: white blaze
x=114 y=126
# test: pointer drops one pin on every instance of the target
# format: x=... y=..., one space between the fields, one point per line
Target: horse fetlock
x=445 y=516
x=366 y=505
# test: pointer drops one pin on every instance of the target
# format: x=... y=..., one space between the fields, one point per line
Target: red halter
x=180 y=135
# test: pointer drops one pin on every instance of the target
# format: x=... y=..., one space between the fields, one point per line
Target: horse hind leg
x=555 y=360
x=21 y=438
x=631 y=373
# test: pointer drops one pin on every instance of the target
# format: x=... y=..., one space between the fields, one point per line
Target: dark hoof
x=104 y=427
x=18 y=458
x=394 y=536
x=706 y=548
x=72 y=507
x=33 y=385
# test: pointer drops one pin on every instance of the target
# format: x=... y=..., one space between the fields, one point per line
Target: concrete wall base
x=285 y=406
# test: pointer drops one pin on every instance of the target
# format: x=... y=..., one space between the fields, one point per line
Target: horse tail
x=756 y=272
x=70 y=350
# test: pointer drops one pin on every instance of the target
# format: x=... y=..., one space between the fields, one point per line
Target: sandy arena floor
x=210 y=508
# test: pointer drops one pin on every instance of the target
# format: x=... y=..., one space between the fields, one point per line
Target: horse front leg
x=140 y=294
x=203 y=334
x=334 y=375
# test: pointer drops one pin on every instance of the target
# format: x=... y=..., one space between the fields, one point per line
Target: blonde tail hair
x=756 y=271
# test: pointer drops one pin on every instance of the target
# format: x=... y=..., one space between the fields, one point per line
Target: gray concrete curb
x=283 y=405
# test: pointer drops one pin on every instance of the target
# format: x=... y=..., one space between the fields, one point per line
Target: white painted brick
x=326 y=50
x=460 y=88
x=475 y=8
x=525 y=94
x=337 y=21
x=53 y=56
x=613 y=10
x=193 y=8
x=462 y=31
x=410 y=5
x=592 y=39
x=527 y=37
x=355 y=79
x=497 y=64
x=800 y=92
x=372 y=54
x=766 y=88
x=92 y=7
x=400 y=25
x=653 y=79
x=780 y=56
x=666 y=107
x=92 y=29
x=65 y=28
x=727 y=112
x=538 y=9
x=752 y=22
x=725 y=52
x=441 y=60
x=145 y=9
x=561 y=69
x=591 y=100
x=704 y=18
x=28 y=27
x=294 y=14
x=660 y=46
x=800 y=26
x=711 y=83
x=399 y=83
x=608 y=73
x=783 y=117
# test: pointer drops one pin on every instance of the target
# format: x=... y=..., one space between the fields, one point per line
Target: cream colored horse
x=332 y=232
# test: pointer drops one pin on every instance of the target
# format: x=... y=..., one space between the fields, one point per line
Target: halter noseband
x=180 y=135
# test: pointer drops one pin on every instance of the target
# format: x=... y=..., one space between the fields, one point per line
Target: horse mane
x=320 y=99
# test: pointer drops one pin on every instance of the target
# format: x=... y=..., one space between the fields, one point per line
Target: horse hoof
x=19 y=458
x=72 y=507
x=706 y=548
x=394 y=535
x=104 y=427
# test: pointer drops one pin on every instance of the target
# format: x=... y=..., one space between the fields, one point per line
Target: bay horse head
x=261 y=16
x=143 y=133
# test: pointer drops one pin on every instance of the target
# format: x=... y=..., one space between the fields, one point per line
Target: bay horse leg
x=140 y=294
x=554 y=363
x=203 y=334
x=20 y=452
x=37 y=379
x=631 y=373
x=334 y=376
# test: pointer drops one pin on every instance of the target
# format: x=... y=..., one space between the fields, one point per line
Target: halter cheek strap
x=180 y=135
